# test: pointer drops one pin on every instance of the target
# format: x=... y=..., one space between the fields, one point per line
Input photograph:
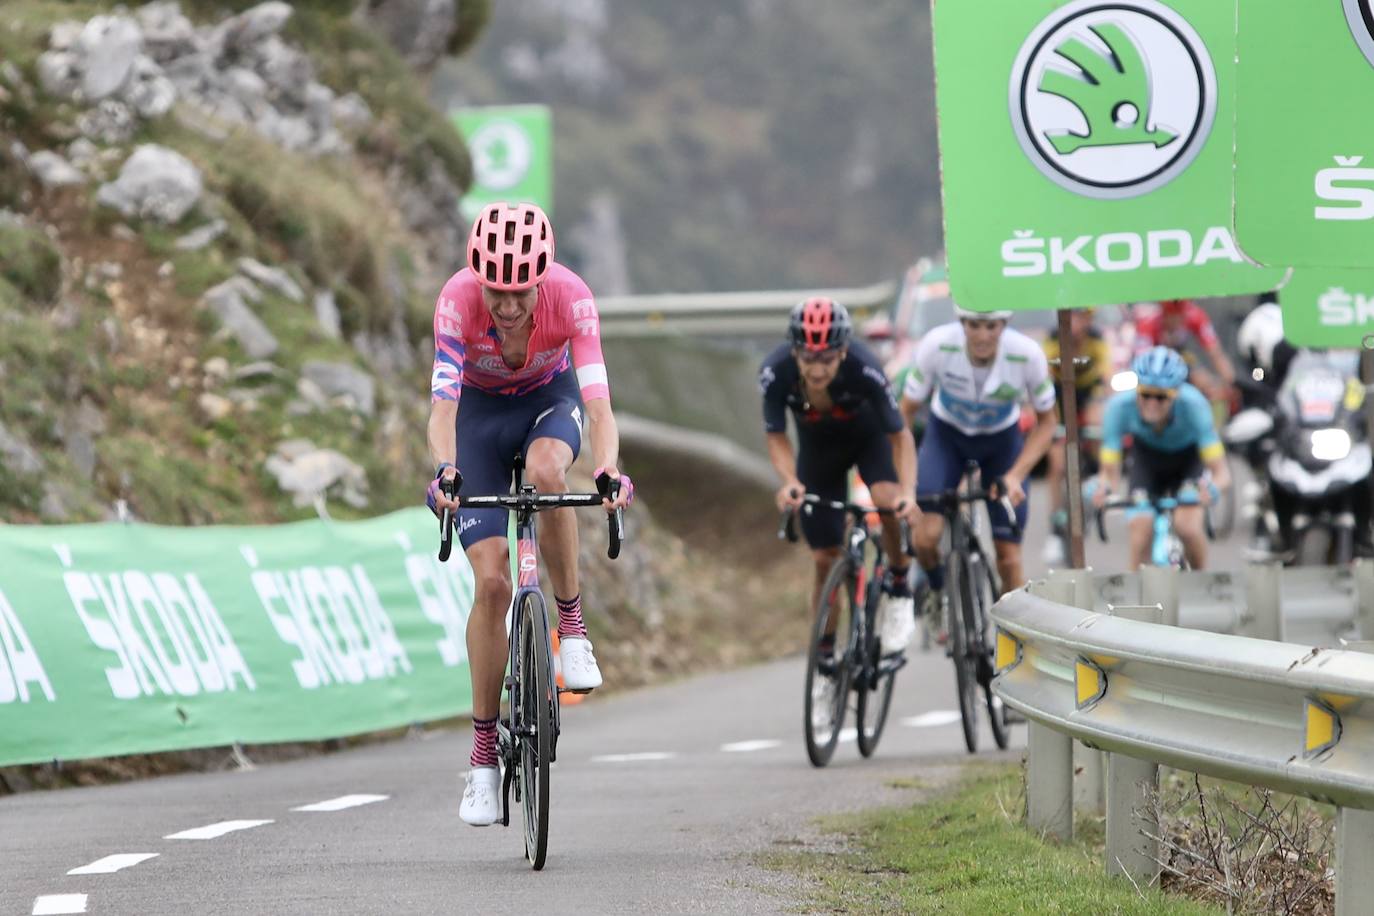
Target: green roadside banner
x=512 y=154
x=1304 y=179
x=1328 y=306
x=119 y=639
x=1086 y=152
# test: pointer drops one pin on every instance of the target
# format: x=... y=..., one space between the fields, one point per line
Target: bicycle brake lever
x=446 y=524
x=609 y=488
x=787 y=529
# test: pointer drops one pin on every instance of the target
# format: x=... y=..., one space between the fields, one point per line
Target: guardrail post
x=1089 y=780
x=1049 y=781
x=1159 y=585
x=1131 y=787
x=1263 y=603
x=1364 y=597
x=1354 y=852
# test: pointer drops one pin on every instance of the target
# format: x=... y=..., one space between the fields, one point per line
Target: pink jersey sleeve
x=585 y=335
x=447 y=381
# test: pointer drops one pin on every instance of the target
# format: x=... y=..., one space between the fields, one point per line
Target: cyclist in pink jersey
x=517 y=359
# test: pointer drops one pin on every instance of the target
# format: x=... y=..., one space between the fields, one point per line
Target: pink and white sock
x=570 y=618
x=483 y=743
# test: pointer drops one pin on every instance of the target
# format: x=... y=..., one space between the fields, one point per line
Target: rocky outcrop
x=155 y=183
x=229 y=302
x=305 y=472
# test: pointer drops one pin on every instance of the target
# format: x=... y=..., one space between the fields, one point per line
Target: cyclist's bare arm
x=1037 y=443
x=909 y=407
x=904 y=457
x=1220 y=471
x=605 y=440
x=784 y=461
x=443 y=415
x=1222 y=363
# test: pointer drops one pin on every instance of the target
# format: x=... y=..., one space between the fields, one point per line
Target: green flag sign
x=512 y=154
x=1328 y=307
x=1085 y=151
x=1304 y=181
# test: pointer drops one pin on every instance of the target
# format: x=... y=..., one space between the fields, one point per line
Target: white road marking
x=111 y=864
x=633 y=758
x=848 y=734
x=212 y=831
x=342 y=802
x=745 y=747
x=58 y=904
x=933 y=718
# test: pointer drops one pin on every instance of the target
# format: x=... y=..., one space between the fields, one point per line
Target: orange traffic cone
x=566 y=699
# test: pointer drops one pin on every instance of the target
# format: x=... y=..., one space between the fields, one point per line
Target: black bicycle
x=971 y=587
x=858 y=662
x=527 y=736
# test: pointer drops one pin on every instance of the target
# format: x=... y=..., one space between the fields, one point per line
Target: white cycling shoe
x=896 y=622
x=580 y=671
x=481 y=805
x=1052 y=554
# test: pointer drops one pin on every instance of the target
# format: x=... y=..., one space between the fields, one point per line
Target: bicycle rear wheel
x=536 y=722
x=984 y=594
x=827 y=677
x=874 y=685
x=960 y=593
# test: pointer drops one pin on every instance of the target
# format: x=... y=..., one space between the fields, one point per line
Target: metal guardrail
x=753 y=312
x=1291 y=717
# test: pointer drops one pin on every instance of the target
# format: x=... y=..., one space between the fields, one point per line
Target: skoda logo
x=1361 y=19
x=1113 y=99
x=501 y=154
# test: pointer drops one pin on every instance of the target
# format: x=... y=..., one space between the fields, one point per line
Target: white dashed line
x=111 y=864
x=342 y=802
x=211 y=831
x=745 y=747
x=932 y=719
x=848 y=734
x=633 y=758
x=58 y=904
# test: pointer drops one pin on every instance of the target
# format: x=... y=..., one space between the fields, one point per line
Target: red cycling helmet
x=1174 y=306
x=511 y=246
x=819 y=324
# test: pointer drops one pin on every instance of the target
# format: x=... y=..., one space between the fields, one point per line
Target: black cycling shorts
x=1160 y=473
x=823 y=465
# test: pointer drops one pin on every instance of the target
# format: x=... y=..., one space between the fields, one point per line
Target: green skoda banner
x=1328 y=307
x=119 y=639
x=1085 y=151
x=1304 y=184
x=512 y=154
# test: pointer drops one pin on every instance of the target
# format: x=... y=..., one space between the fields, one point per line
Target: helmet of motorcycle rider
x=1160 y=367
x=1260 y=333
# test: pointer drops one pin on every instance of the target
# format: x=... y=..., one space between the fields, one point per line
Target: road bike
x=855 y=662
x=971 y=587
x=527 y=736
x=1166 y=548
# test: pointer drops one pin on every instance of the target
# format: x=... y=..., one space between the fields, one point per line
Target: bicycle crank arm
x=888 y=666
x=506 y=779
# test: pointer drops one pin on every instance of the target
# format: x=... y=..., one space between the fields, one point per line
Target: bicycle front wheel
x=828 y=673
x=537 y=697
x=875 y=680
x=984 y=594
x=960 y=593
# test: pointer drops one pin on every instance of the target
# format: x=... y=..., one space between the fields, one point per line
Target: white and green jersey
x=979 y=400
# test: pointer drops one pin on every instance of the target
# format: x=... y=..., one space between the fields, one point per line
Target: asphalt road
x=662 y=800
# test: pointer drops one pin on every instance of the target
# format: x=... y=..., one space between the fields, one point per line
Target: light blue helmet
x=1160 y=367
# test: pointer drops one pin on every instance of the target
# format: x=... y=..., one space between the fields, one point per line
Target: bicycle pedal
x=581 y=693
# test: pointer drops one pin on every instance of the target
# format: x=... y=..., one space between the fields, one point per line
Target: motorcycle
x=1310 y=456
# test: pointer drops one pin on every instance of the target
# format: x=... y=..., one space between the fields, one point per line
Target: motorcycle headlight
x=1330 y=444
x=1124 y=381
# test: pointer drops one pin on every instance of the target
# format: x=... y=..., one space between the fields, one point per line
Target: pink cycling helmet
x=511 y=246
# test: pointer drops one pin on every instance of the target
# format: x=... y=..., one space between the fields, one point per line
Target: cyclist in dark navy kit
x=846 y=416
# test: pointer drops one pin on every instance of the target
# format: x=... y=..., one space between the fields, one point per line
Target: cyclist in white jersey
x=975 y=372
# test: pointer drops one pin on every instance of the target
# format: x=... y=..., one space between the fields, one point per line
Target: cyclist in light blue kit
x=1175 y=447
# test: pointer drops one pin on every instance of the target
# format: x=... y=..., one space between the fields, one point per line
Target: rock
x=52 y=171
x=227 y=302
x=327 y=314
x=155 y=183
x=312 y=395
x=217 y=368
x=59 y=74
x=16 y=455
x=246 y=86
x=345 y=381
x=273 y=278
x=107 y=49
x=245 y=288
x=318 y=471
x=197 y=239
x=319 y=107
x=53 y=506
x=255 y=371
x=111 y=122
x=214 y=407
x=286 y=69
x=167 y=33
x=419 y=29
x=351 y=112
x=149 y=91
x=292 y=133
x=64 y=35
x=253 y=25
x=83 y=154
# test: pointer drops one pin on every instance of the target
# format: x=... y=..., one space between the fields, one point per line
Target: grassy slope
x=966 y=852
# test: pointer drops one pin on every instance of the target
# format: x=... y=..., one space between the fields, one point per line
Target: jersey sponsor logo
x=448 y=321
x=1015 y=358
x=766 y=378
x=1359 y=15
x=1006 y=392
x=876 y=375
x=951 y=348
x=1113 y=99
